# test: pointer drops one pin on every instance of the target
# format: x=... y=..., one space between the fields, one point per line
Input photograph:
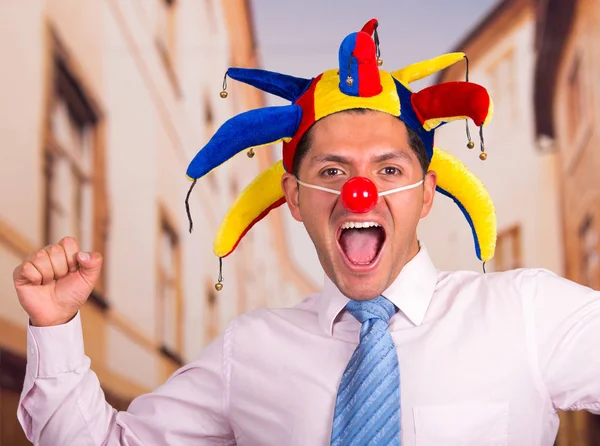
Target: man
x=391 y=351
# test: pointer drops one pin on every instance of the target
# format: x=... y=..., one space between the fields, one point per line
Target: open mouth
x=361 y=242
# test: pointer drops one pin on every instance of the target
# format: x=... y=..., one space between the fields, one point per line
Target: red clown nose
x=359 y=195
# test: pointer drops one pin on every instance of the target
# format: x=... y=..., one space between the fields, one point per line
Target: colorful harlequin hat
x=359 y=82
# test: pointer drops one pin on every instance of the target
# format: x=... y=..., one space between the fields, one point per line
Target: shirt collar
x=411 y=292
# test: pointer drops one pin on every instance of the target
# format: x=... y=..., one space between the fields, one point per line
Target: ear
x=290 y=190
x=429 y=188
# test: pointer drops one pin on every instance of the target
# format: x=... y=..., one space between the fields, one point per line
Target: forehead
x=363 y=131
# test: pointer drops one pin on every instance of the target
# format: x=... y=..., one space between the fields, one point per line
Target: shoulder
x=264 y=334
x=514 y=277
x=499 y=285
x=521 y=283
x=270 y=320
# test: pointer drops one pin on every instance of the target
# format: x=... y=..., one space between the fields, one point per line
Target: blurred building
x=104 y=103
x=567 y=104
x=539 y=59
x=521 y=177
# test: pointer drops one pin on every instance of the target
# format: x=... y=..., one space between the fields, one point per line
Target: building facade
x=539 y=60
x=104 y=103
x=521 y=178
x=567 y=100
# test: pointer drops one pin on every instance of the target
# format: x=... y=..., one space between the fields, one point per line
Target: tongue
x=361 y=245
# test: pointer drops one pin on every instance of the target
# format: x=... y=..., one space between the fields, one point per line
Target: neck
x=413 y=250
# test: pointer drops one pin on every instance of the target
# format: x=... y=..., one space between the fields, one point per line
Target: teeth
x=360 y=225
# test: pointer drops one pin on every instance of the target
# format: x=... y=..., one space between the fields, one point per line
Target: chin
x=363 y=294
x=359 y=286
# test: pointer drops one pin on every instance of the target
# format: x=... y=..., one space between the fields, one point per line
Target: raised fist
x=54 y=282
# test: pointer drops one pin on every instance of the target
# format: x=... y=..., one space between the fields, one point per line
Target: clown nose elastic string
x=359 y=194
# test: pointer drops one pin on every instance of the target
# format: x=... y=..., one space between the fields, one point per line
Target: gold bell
x=250 y=153
x=470 y=144
x=224 y=93
x=379 y=61
x=218 y=286
x=483 y=156
x=349 y=81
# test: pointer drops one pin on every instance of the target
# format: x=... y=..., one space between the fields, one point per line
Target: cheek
x=314 y=204
x=405 y=210
x=317 y=211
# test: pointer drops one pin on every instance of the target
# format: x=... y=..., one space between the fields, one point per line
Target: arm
x=566 y=321
x=62 y=402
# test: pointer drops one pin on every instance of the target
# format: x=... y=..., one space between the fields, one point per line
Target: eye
x=331 y=172
x=390 y=170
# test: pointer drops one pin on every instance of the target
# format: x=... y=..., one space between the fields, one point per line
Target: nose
x=359 y=195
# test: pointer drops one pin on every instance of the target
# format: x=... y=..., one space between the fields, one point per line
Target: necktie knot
x=378 y=308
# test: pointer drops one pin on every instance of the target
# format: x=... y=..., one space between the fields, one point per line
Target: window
x=508 y=249
x=594 y=429
x=166 y=37
x=575 y=103
x=209 y=119
x=74 y=183
x=75 y=198
x=12 y=372
x=589 y=254
x=68 y=175
x=211 y=314
x=576 y=115
x=169 y=306
x=209 y=130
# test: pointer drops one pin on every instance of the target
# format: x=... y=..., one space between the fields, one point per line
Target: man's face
x=362 y=262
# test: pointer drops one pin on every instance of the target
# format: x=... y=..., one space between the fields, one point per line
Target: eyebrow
x=322 y=159
x=395 y=155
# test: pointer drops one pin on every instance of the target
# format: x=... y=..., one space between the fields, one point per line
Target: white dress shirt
x=485 y=359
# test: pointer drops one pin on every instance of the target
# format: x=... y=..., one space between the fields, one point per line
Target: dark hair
x=414 y=142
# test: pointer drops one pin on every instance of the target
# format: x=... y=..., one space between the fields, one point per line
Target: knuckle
x=30 y=271
x=40 y=254
x=68 y=239
x=54 y=249
x=69 y=242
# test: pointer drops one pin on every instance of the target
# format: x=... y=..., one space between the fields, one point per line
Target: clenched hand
x=54 y=282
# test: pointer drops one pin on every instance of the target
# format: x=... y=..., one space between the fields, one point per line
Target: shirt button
x=31 y=351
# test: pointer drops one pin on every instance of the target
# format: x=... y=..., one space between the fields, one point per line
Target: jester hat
x=358 y=83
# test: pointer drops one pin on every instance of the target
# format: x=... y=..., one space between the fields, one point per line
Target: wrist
x=42 y=322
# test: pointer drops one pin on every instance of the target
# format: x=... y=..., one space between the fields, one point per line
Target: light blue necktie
x=367 y=409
